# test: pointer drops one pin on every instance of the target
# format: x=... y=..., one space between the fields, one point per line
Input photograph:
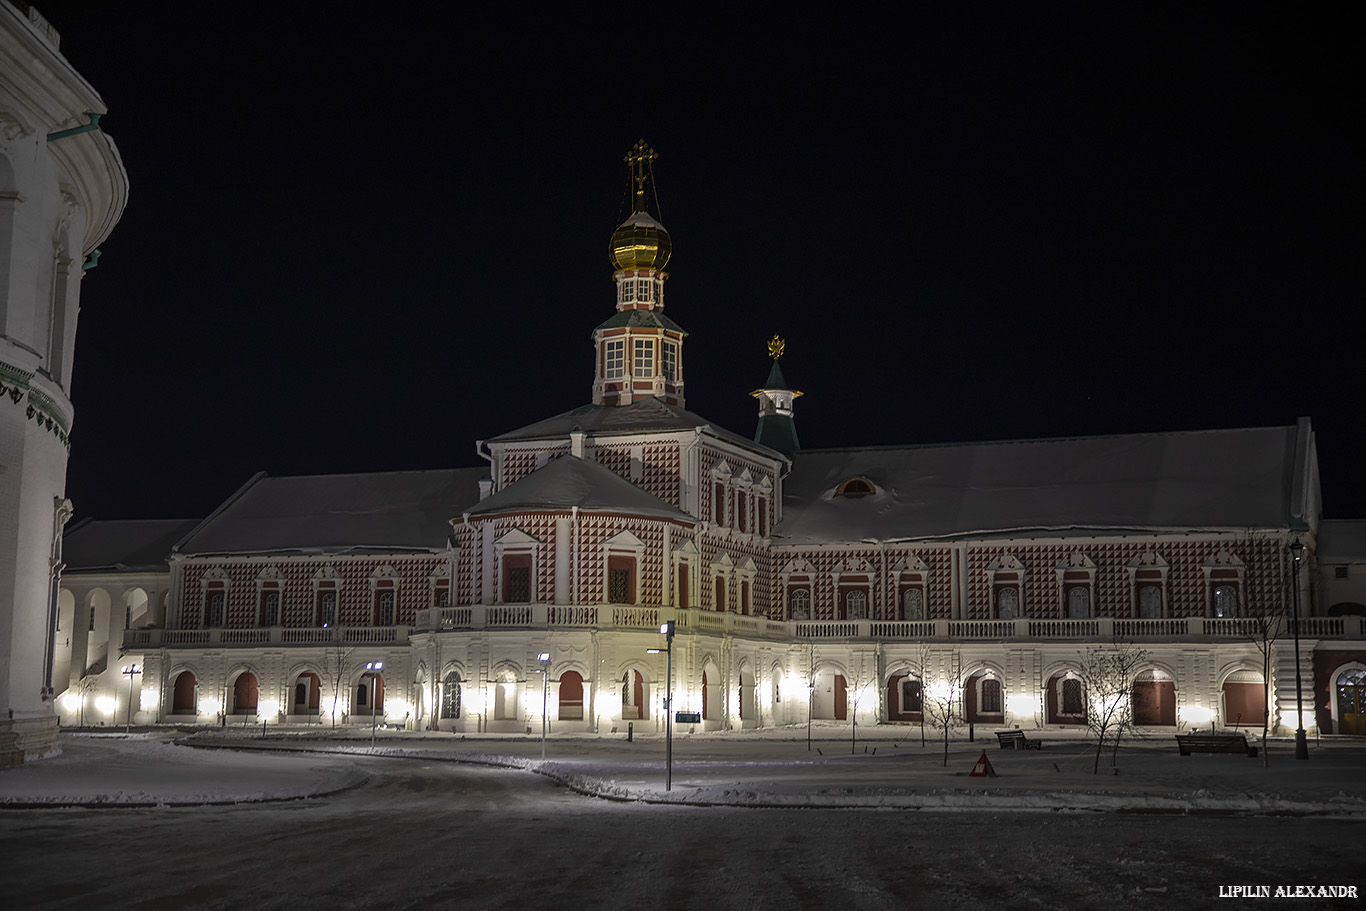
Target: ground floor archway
x=1154 y=699
x=246 y=691
x=185 y=694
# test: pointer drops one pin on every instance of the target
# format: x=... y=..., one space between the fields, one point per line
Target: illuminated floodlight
x=1197 y=715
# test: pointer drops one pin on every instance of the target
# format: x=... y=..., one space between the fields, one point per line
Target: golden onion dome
x=640 y=243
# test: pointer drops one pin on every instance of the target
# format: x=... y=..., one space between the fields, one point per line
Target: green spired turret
x=777 y=428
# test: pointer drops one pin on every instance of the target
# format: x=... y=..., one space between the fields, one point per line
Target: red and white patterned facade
x=593 y=527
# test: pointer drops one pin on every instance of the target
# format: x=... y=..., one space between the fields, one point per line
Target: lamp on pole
x=1301 y=743
x=667 y=629
x=372 y=671
x=128 y=670
x=544 y=658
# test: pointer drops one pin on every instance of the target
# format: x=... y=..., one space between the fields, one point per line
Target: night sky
x=359 y=238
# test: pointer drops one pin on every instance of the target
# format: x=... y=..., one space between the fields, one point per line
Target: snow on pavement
x=114 y=770
x=734 y=769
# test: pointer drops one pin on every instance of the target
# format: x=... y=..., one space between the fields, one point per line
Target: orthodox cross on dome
x=639 y=160
x=775 y=347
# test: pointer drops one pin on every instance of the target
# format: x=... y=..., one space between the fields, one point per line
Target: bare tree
x=337 y=664
x=1264 y=631
x=1107 y=674
x=859 y=678
x=941 y=691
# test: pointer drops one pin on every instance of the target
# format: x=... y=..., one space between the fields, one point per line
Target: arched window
x=855 y=604
x=799 y=602
x=1078 y=602
x=912 y=695
x=855 y=487
x=990 y=697
x=913 y=604
x=327 y=608
x=450 y=695
x=270 y=608
x=1007 y=603
x=1149 y=602
x=384 y=609
x=1072 y=703
x=1225 y=601
x=217 y=609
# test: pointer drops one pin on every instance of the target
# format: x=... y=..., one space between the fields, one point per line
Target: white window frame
x=642 y=357
x=668 y=361
x=614 y=358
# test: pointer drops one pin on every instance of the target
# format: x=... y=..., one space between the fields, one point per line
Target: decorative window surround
x=746 y=573
x=912 y=583
x=1076 y=586
x=327 y=583
x=1148 y=585
x=515 y=551
x=722 y=569
x=685 y=561
x=215 y=584
x=1006 y=575
x=384 y=596
x=622 y=552
x=855 y=579
x=797 y=578
x=439 y=587
x=1224 y=571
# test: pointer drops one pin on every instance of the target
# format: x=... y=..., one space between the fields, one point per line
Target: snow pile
x=104 y=770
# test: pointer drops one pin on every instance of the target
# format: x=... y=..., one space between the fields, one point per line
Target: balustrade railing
x=704 y=622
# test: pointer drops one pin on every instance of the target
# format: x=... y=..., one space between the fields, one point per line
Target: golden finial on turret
x=775 y=347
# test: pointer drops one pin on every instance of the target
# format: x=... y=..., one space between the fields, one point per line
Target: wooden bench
x=1016 y=740
x=1214 y=743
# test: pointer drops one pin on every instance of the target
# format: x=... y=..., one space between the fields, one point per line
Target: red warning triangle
x=982 y=768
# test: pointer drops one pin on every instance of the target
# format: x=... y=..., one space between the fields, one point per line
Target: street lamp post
x=544 y=658
x=1301 y=743
x=128 y=671
x=668 y=630
x=373 y=668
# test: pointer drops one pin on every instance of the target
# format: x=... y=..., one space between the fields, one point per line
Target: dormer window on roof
x=856 y=487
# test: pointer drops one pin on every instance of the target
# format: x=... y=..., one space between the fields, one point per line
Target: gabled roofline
x=1059 y=439
x=241 y=491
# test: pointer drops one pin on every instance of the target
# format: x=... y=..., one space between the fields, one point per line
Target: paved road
x=451 y=836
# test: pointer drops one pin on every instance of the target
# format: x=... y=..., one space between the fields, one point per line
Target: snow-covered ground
x=437 y=829
x=887 y=769
x=114 y=770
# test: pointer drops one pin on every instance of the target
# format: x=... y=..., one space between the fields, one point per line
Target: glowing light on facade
x=1197 y=715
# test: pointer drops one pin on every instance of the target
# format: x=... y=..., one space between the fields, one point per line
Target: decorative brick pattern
x=1186 y=595
x=355 y=605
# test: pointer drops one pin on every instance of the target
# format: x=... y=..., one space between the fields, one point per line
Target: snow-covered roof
x=122 y=545
x=567 y=482
x=645 y=415
x=1342 y=541
x=1204 y=479
x=378 y=512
